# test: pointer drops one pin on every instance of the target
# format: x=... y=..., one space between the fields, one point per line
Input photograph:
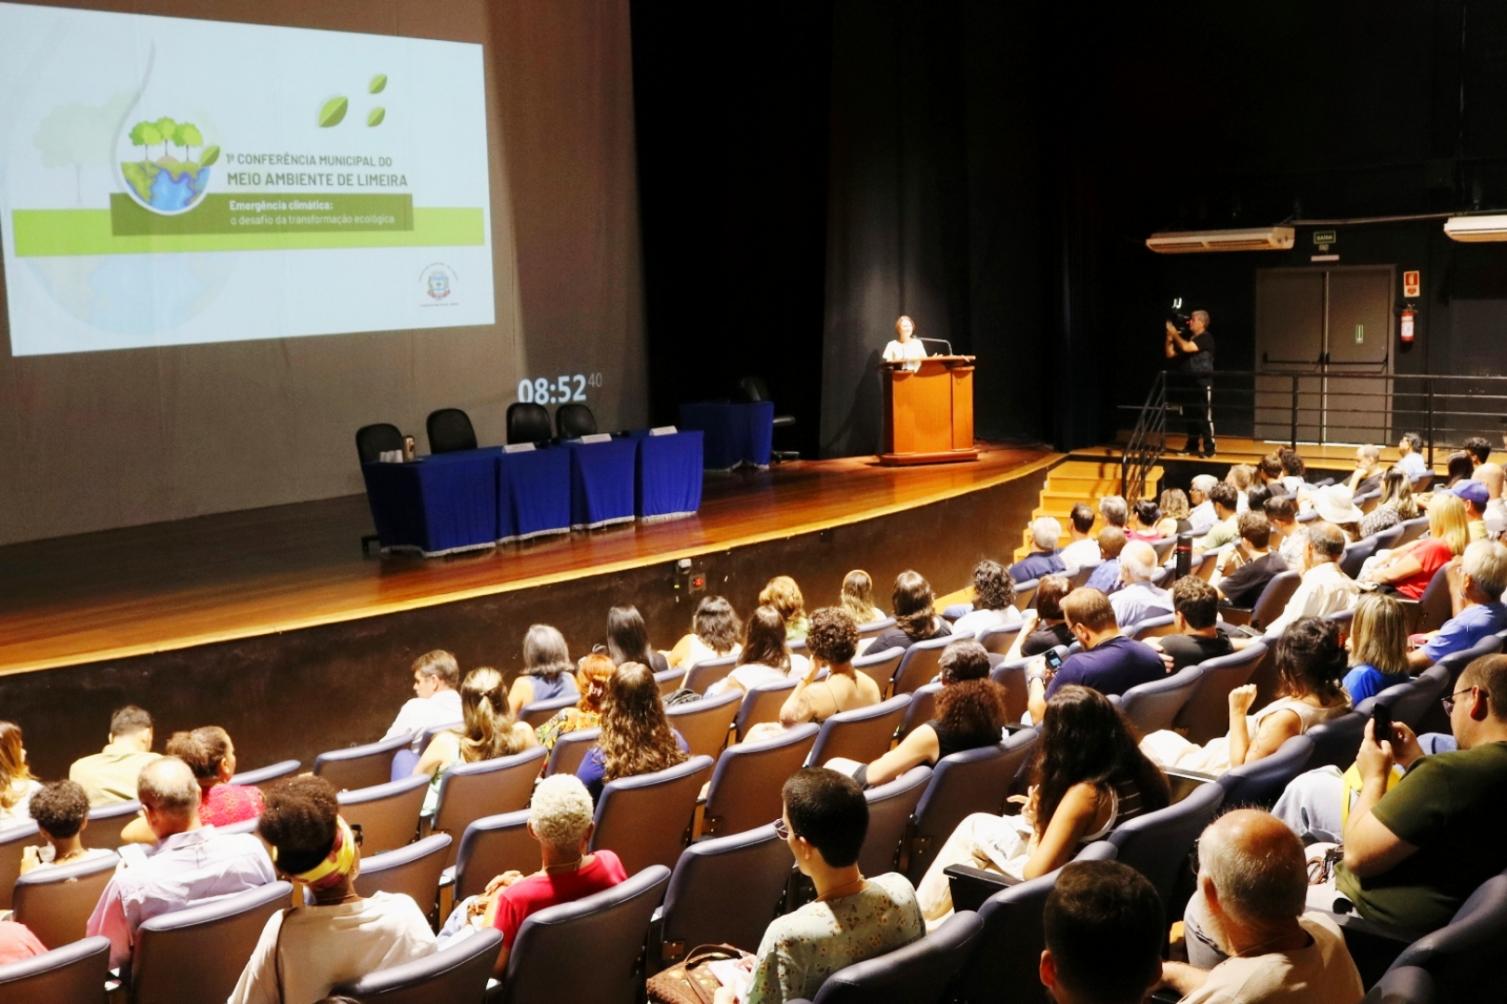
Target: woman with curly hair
x=857 y=597
x=970 y=714
x=832 y=642
x=487 y=731
x=1087 y=777
x=17 y=784
x=714 y=634
x=784 y=595
x=993 y=601
x=915 y=614
x=766 y=657
x=593 y=673
x=636 y=737
x=546 y=669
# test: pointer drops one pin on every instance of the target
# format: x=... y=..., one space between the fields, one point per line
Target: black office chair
x=753 y=388
x=527 y=423
x=376 y=439
x=450 y=430
x=574 y=420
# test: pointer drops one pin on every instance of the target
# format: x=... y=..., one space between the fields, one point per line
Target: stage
x=271 y=621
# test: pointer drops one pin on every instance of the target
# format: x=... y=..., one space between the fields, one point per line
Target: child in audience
x=61 y=810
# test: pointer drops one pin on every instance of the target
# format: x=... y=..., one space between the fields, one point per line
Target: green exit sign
x=1323 y=237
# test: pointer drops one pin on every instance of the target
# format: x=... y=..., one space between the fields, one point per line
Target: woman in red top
x=1411 y=567
x=210 y=754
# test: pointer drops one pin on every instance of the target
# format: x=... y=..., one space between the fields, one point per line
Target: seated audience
x=17 y=786
x=832 y=642
x=109 y=776
x=436 y=674
x=191 y=861
x=853 y=918
x=1366 y=478
x=61 y=810
x=858 y=598
x=1083 y=548
x=1269 y=474
x=1473 y=493
x=307 y=949
x=1173 y=504
x=593 y=673
x=1336 y=506
x=1137 y=599
x=1249 y=937
x=784 y=595
x=1104 y=929
x=1409 y=569
x=1197 y=636
x=17 y=943
x=766 y=656
x=1113 y=510
x=1241 y=477
x=1378 y=644
x=1324 y=587
x=546 y=669
x=1223 y=498
x=1495 y=518
x=1201 y=517
x=211 y=756
x=1045 y=559
x=1255 y=499
x=1042 y=624
x=1479 y=449
x=916 y=617
x=628 y=639
x=636 y=737
x=970 y=714
x=1292 y=536
x=1459 y=467
x=1243 y=572
x=1106 y=578
x=1310 y=663
x=714 y=634
x=1294 y=471
x=1087 y=777
x=993 y=601
x=487 y=732
x=1145 y=520
x=1109 y=662
x=1482 y=577
x=1395 y=504
x=1410 y=456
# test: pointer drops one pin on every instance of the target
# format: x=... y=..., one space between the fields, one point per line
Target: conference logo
x=168 y=170
x=437 y=282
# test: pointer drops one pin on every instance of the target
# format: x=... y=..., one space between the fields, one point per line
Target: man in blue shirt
x=1045 y=533
x=1109 y=662
x=1138 y=600
x=1106 y=578
x=1411 y=460
x=1482 y=577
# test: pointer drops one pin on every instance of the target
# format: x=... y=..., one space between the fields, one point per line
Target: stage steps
x=1079 y=480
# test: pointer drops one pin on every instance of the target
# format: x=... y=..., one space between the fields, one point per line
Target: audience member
x=784 y=595
x=1113 y=510
x=1103 y=926
x=1324 y=587
x=853 y=918
x=17 y=943
x=1378 y=644
x=1197 y=635
x=766 y=656
x=546 y=669
x=1395 y=504
x=1243 y=572
x=1241 y=477
x=1491 y=476
x=1410 y=456
x=1458 y=467
x=487 y=732
x=1269 y=474
x=109 y=776
x=1042 y=625
x=1225 y=501
x=1366 y=478
x=1292 y=537
x=1145 y=520
x=1201 y=517
x=636 y=737
x=1137 y=599
x=714 y=634
x=307 y=949
x=1310 y=663
x=1174 y=506
x=1293 y=470
x=61 y=810
x=17 y=785
x=593 y=673
x=628 y=639
x=1479 y=449
x=1482 y=577
x=1249 y=937
x=210 y=754
x=1410 y=568
x=1106 y=578
x=1109 y=662
x=1476 y=498
x=971 y=713
x=858 y=597
x=1336 y=506
x=915 y=615
x=993 y=601
x=832 y=642
x=436 y=674
x=191 y=862
x=1045 y=559
x=1255 y=499
x=1086 y=778
x=1083 y=549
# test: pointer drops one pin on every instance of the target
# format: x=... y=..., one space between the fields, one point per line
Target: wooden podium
x=928 y=414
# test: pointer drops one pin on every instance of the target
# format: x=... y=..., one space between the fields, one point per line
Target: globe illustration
x=172 y=174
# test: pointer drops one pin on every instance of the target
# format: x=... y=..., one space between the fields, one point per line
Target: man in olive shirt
x=1413 y=854
x=110 y=775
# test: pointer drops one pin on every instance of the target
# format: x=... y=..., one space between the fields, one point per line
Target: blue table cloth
x=435 y=505
x=736 y=433
x=533 y=494
x=601 y=482
x=669 y=475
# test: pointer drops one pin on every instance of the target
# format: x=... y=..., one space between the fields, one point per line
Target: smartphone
x=1054 y=658
x=1381 y=723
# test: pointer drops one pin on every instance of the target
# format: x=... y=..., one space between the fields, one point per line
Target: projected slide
x=167 y=181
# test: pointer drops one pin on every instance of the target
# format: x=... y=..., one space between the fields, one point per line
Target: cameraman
x=1194 y=355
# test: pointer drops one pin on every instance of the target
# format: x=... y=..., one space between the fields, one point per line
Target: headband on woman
x=336 y=865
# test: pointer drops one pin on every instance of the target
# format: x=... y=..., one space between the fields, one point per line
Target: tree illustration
x=167 y=127
x=145 y=135
x=188 y=137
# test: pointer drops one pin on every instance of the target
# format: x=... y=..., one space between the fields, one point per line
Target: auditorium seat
x=588 y=950
x=752 y=389
x=646 y=819
x=14 y=839
x=1270 y=604
x=1025 y=594
x=572 y=421
x=745 y=785
x=1260 y=784
x=670 y=680
x=1336 y=741
x=1404 y=985
x=1011 y=676
x=1431 y=609
x=55 y=902
x=1153 y=627
x=527 y=423
x=455 y=974
x=704 y=724
x=919 y=665
x=862 y=734
x=922 y=709
x=449 y=431
x=486 y=788
x=107 y=822
x=891 y=806
x=387 y=813
x=708 y=671
x=74 y=973
x=874 y=629
x=1356 y=554
x=1084 y=571
x=1412 y=529
x=918 y=973
x=491 y=846
x=197 y=953
x=975 y=780
x=1207 y=711
x=762 y=704
x=264 y=777
x=570 y=749
x=414 y=871
x=997 y=640
x=359 y=766
x=880 y=666
x=1154 y=706
x=1156 y=844
x=1389 y=538
x=1411 y=701
x=376 y=439
x=537 y=713
x=722 y=891
x=1451 y=666
x=1461 y=956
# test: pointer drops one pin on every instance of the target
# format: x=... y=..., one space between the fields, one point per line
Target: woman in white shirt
x=905 y=347
x=766 y=655
x=993 y=601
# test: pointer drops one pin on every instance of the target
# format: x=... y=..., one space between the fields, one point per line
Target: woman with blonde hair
x=1241 y=477
x=858 y=597
x=636 y=736
x=488 y=731
x=1395 y=505
x=546 y=669
x=593 y=673
x=784 y=595
x=1378 y=645
x=1174 y=506
x=17 y=784
x=1409 y=569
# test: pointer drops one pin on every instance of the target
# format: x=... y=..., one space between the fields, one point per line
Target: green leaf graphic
x=333 y=112
x=211 y=154
x=376 y=116
x=377 y=84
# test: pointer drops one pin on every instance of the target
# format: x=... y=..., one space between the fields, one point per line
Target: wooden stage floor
x=121 y=593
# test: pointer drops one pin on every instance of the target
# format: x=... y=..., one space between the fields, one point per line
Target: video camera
x=1177 y=317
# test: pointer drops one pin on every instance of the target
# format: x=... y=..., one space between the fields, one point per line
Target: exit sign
x=1324 y=238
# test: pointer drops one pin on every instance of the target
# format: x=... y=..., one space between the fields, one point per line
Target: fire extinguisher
x=1405 y=325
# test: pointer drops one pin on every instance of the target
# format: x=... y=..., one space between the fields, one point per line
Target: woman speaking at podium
x=905 y=347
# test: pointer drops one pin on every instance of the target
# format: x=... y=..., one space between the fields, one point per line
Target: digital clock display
x=563 y=389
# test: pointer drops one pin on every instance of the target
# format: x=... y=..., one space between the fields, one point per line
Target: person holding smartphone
x=1109 y=662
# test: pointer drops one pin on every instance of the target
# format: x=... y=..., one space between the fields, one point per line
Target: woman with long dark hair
x=916 y=617
x=1087 y=777
x=636 y=737
x=546 y=669
x=628 y=639
x=766 y=657
x=714 y=634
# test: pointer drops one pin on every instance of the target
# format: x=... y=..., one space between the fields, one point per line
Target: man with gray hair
x=1114 y=510
x=1249 y=938
x=1366 y=478
x=1324 y=588
x=1194 y=356
x=1201 y=517
x=189 y=862
x=1477 y=580
x=1137 y=599
x=1046 y=559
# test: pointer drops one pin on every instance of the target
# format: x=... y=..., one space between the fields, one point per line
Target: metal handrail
x=1147 y=441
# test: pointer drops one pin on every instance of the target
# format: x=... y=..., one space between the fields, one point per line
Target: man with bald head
x=1247 y=922
x=189 y=862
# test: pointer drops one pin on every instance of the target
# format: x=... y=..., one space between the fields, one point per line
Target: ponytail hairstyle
x=205 y=750
x=487 y=731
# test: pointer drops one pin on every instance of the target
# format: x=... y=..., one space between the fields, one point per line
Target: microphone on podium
x=939 y=341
